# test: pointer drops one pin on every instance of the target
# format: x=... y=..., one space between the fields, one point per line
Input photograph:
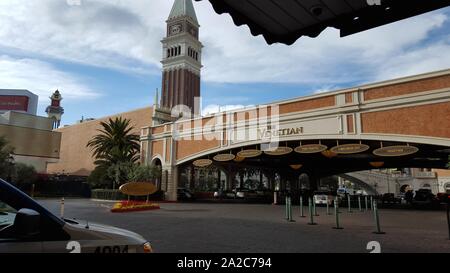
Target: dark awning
x=285 y=21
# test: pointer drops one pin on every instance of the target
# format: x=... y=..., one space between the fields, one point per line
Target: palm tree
x=115 y=145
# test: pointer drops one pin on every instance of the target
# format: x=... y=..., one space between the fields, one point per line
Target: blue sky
x=104 y=55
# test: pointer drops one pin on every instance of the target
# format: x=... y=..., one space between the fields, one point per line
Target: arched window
x=168 y=53
x=171 y=52
x=179 y=50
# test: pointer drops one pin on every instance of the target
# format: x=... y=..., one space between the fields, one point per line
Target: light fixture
x=202 y=163
x=279 y=151
x=249 y=153
x=353 y=148
x=296 y=166
x=396 y=150
x=329 y=154
x=376 y=164
x=224 y=157
x=239 y=159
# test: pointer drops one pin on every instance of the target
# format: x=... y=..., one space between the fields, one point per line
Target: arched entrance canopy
x=410 y=111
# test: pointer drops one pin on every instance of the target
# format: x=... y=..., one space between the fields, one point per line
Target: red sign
x=13 y=103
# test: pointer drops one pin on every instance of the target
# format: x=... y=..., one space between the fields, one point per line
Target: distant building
x=443 y=177
x=75 y=157
x=32 y=137
x=18 y=100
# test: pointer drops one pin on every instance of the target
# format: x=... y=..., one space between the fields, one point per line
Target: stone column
x=171 y=183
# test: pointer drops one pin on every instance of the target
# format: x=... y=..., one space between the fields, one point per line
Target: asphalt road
x=247 y=228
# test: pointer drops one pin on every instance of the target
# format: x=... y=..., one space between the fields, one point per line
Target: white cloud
x=126 y=34
x=42 y=79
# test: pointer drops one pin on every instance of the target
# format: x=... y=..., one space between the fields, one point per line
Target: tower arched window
x=179 y=50
x=171 y=52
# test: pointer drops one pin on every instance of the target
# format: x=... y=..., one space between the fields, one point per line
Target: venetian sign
x=202 y=163
x=224 y=157
x=249 y=153
x=279 y=151
x=138 y=188
x=396 y=150
x=350 y=148
x=268 y=133
x=310 y=148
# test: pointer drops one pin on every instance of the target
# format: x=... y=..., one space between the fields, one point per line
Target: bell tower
x=182 y=63
x=54 y=110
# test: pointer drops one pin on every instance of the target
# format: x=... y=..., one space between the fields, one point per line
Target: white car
x=27 y=227
x=321 y=198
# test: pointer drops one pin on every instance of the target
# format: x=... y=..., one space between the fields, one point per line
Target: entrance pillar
x=170 y=176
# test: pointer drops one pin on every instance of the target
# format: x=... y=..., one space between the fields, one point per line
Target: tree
x=143 y=173
x=24 y=174
x=99 y=178
x=115 y=143
x=115 y=148
x=5 y=158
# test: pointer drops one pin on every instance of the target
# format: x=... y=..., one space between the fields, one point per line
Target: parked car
x=443 y=197
x=390 y=198
x=322 y=197
x=27 y=227
x=184 y=194
x=244 y=193
x=425 y=198
x=224 y=194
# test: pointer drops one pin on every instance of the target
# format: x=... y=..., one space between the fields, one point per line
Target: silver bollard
x=349 y=203
x=328 y=207
x=377 y=219
x=314 y=207
x=359 y=203
x=336 y=213
x=290 y=210
x=365 y=200
x=301 y=207
x=371 y=202
x=62 y=207
x=286 y=208
x=311 y=216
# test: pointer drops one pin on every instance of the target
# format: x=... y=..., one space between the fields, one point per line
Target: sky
x=104 y=55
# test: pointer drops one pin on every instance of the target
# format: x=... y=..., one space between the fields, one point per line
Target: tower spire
x=182 y=8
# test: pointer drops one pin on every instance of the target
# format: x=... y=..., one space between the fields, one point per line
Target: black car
x=390 y=198
x=425 y=198
x=184 y=194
